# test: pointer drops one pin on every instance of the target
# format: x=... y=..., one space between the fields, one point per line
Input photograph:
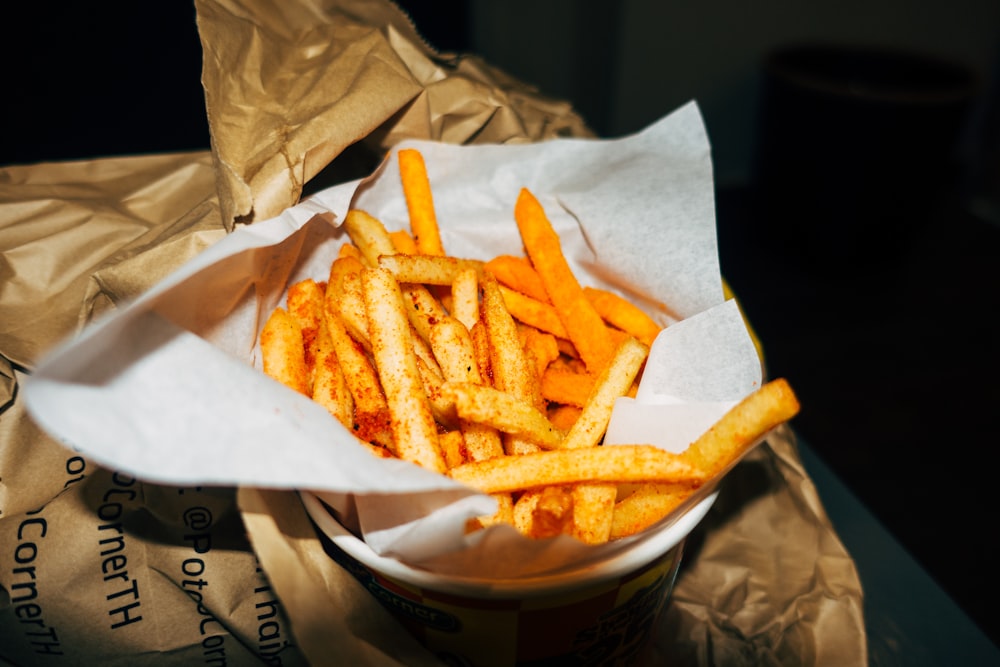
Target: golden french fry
x=305 y=303
x=593 y=511
x=508 y=364
x=371 y=422
x=414 y=430
x=544 y=512
x=644 y=507
x=486 y=405
x=613 y=382
x=452 y=448
x=611 y=464
x=419 y=202
x=622 y=313
x=465 y=297
x=743 y=426
x=344 y=295
x=453 y=348
x=518 y=274
x=426 y=269
x=282 y=353
x=329 y=384
x=584 y=326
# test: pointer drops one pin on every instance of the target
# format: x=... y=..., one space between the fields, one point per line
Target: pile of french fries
x=501 y=374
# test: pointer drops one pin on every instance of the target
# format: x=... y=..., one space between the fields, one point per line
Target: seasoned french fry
x=743 y=426
x=510 y=369
x=329 y=384
x=545 y=512
x=584 y=326
x=414 y=430
x=419 y=202
x=613 y=382
x=613 y=464
x=465 y=297
x=426 y=269
x=486 y=405
x=344 y=295
x=452 y=346
x=647 y=505
x=282 y=353
x=452 y=448
x=623 y=314
x=533 y=312
x=561 y=385
x=371 y=422
x=369 y=235
x=403 y=242
x=518 y=274
x=594 y=503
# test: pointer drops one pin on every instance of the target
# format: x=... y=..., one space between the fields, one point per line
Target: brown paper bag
x=110 y=570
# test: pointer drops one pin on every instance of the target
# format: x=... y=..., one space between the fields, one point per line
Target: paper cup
x=603 y=613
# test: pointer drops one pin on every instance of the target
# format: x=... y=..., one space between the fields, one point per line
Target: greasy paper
x=82 y=239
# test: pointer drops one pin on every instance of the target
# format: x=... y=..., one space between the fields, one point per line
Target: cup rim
x=646 y=550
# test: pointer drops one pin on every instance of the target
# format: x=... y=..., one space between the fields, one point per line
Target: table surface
x=911 y=621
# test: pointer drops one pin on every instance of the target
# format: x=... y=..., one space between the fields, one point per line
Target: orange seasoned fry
x=419 y=202
x=623 y=314
x=305 y=304
x=414 y=430
x=584 y=326
x=565 y=386
x=613 y=464
x=371 y=412
x=329 y=384
x=517 y=274
x=403 y=242
x=533 y=312
x=541 y=347
x=282 y=352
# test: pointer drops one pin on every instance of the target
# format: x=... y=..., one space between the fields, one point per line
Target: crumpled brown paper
x=110 y=570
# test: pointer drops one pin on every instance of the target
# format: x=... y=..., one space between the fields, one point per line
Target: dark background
x=858 y=224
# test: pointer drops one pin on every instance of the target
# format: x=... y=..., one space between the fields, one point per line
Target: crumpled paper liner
x=348 y=72
x=138 y=218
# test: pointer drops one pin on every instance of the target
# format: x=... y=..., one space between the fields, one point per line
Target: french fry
x=584 y=326
x=743 y=426
x=533 y=312
x=594 y=503
x=506 y=413
x=369 y=235
x=517 y=274
x=465 y=297
x=329 y=384
x=615 y=464
x=500 y=374
x=282 y=353
x=613 y=382
x=426 y=269
x=371 y=421
x=403 y=242
x=419 y=202
x=508 y=365
x=452 y=346
x=413 y=427
x=623 y=314
x=564 y=386
x=545 y=512
x=647 y=505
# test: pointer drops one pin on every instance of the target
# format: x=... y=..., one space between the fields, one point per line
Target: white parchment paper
x=169 y=388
